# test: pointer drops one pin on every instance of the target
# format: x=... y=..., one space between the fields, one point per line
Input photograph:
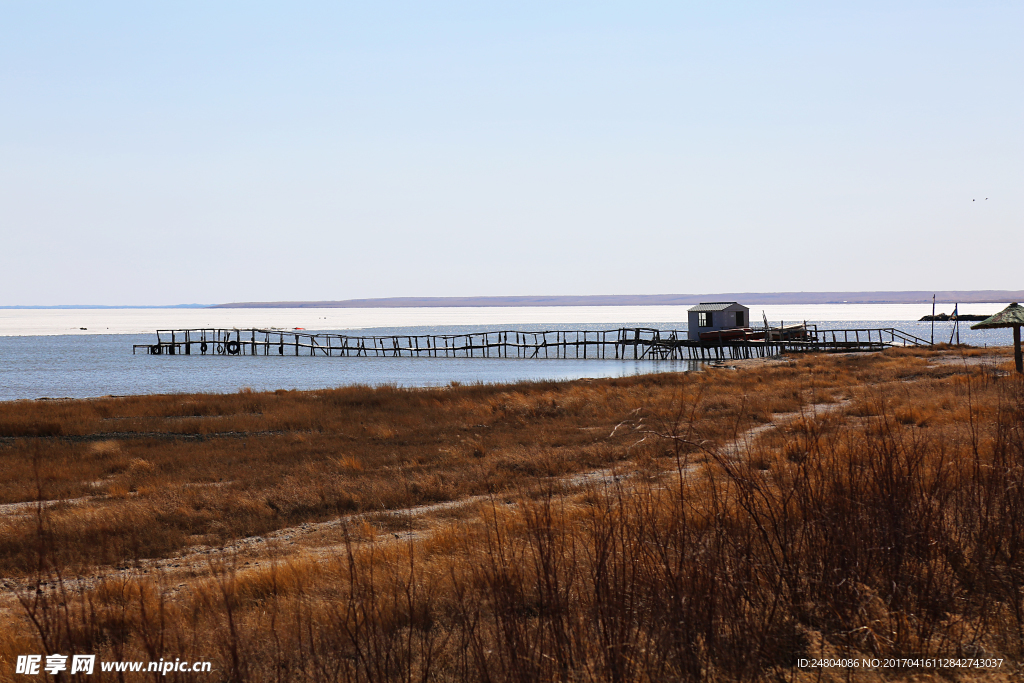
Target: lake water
x=47 y=353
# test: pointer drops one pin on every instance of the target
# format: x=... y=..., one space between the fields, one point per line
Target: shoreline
x=983 y=296
x=764 y=298
x=942 y=351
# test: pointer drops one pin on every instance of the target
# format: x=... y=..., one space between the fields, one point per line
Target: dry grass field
x=719 y=525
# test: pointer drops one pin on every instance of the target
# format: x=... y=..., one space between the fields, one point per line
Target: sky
x=198 y=152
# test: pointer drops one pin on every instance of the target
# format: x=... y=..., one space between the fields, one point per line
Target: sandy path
x=323 y=540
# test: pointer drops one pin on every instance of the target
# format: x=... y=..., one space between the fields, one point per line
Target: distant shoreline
x=776 y=298
x=81 y=307
x=984 y=296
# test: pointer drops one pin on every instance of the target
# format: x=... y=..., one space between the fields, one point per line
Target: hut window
x=704 y=319
x=739 y=318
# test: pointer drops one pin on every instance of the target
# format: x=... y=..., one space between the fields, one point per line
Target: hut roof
x=713 y=306
x=1010 y=316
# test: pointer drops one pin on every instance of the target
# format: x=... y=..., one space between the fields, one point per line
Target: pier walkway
x=625 y=343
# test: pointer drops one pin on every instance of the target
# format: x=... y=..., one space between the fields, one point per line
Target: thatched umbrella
x=1011 y=316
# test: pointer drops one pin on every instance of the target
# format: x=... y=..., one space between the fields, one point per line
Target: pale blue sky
x=212 y=152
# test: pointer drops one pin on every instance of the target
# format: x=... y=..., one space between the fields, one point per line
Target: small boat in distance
x=795 y=332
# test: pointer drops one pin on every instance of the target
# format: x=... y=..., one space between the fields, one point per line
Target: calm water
x=45 y=353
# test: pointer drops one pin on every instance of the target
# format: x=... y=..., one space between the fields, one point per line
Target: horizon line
x=506 y=301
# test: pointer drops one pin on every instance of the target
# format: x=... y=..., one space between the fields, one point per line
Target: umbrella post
x=1011 y=316
x=1017 y=360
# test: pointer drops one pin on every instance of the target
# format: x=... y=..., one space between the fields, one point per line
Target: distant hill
x=76 y=307
x=964 y=297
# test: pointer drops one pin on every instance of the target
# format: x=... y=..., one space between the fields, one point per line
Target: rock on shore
x=943 y=317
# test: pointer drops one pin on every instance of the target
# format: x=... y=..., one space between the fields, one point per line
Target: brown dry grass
x=165 y=472
x=890 y=526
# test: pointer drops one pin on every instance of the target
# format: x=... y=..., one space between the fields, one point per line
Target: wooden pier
x=625 y=343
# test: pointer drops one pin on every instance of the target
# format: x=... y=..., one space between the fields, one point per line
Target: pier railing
x=865 y=338
x=619 y=343
x=640 y=343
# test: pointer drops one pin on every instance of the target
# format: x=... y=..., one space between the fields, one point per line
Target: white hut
x=715 y=316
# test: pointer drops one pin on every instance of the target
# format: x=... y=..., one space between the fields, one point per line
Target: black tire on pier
x=233 y=347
